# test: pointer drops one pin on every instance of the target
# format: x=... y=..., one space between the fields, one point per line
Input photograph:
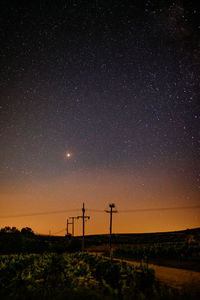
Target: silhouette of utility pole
x=83 y=217
x=68 y=223
x=73 y=218
x=111 y=211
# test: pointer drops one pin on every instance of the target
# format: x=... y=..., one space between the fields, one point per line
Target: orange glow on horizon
x=97 y=190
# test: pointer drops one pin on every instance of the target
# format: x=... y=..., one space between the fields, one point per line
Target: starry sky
x=99 y=103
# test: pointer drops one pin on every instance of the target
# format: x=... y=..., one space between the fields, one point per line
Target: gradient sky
x=115 y=84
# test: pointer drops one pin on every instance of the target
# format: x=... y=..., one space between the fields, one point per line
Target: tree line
x=25 y=230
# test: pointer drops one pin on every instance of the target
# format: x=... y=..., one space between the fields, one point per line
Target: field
x=179 y=249
x=78 y=276
x=45 y=267
x=53 y=276
x=182 y=255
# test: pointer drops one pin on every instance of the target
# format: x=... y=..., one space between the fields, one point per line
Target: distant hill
x=19 y=242
x=188 y=235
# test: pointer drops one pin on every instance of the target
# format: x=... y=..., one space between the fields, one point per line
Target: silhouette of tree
x=27 y=230
x=8 y=229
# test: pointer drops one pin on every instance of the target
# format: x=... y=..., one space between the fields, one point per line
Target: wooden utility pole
x=73 y=218
x=83 y=217
x=111 y=211
x=68 y=223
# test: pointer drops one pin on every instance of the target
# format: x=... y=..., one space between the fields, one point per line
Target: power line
x=73 y=218
x=150 y=209
x=39 y=213
x=99 y=211
x=96 y=210
x=158 y=209
x=60 y=231
x=67 y=229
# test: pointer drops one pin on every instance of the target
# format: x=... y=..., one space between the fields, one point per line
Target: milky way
x=113 y=83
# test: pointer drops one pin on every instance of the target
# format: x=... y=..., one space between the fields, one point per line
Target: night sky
x=99 y=103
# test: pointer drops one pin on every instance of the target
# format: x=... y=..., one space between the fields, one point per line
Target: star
x=68 y=155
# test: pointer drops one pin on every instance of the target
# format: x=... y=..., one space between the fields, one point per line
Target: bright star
x=68 y=155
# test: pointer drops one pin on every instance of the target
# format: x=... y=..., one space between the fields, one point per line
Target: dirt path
x=173 y=277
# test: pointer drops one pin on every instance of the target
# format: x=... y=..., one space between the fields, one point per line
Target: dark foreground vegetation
x=181 y=254
x=13 y=241
x=78 y=276
x=180 y=249
x=48 y=267
x=182 y=236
